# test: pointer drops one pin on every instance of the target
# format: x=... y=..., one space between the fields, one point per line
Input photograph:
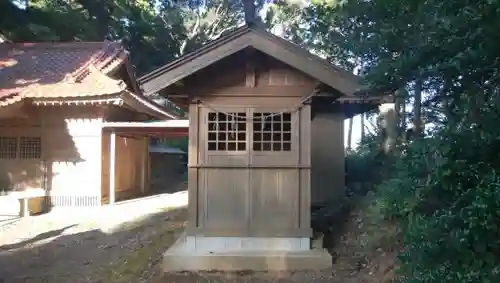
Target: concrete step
x=180 y=258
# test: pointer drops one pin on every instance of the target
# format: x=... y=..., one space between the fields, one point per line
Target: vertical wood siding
x=250 y=193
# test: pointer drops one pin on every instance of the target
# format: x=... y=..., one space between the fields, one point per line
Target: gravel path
x=62 y=248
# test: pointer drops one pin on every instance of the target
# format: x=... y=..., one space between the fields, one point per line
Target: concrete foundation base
x=184 y=256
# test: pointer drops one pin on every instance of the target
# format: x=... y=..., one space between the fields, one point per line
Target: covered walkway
x=145 y=130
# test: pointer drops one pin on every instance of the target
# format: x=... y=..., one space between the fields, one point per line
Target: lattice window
x=227 y=132
x=30 y=147
x=272 y=132
x=8 y=147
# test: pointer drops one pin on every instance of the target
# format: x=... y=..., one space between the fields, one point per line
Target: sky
x=356 y=131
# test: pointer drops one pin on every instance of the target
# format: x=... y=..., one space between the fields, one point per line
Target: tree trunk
x=389 y=124
x=403 y=115
x=400 y=108
x=417 y=109
x=349 y=134
x=363 y=126
x=250 y=15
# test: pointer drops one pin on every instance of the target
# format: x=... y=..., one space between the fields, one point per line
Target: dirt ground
x=116 y=247
x=119 y=244
x=354 y=260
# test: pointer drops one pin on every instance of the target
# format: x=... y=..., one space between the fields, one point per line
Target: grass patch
x=140 y=262
x=373 y=242
x=378 y=232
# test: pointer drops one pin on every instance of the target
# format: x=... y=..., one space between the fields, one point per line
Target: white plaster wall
x=75 y=162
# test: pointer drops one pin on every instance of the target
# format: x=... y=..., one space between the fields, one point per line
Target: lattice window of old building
x=227 y=132
x=8 y=147
x=272 y=132
x=30 y=147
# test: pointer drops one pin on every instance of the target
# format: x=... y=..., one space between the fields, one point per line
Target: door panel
x=275 y=195
x=225 y=198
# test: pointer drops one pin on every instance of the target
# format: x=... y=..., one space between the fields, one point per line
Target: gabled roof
x=58 y=70
x=69 y=72
x=261 y=40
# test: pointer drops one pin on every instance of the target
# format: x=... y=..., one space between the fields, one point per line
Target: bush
x=445 y=193
x=363 y=167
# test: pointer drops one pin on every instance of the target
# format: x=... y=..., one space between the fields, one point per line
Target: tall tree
x=155 y=31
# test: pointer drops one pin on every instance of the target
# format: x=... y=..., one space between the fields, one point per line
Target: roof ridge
x=254 y=36
x=236 y=32
x=304 y=50
x=112 y=51
x=115 y=48
x=54 y=45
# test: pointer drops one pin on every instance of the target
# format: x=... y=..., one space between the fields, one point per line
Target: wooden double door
x=252 y=175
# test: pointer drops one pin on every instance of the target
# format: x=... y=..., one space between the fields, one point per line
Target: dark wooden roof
x=250 y=37
x=71 y=72
x=62 y=70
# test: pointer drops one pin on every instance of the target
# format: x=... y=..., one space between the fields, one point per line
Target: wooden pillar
x=144 y=164
x=304 y=156
x=193 y=150
x=24 y=201
x=112 y=168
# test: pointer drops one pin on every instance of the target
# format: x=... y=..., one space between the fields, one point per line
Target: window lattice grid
x=227 y=132
x=8 y=147
x=30 y=147
x=272 y=132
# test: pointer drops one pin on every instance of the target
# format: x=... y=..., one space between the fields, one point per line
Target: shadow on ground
x=132 y=253
x=37 y=238
x=124 y=255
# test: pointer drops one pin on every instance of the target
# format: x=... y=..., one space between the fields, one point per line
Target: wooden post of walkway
x=112 y=168
x=144 y=164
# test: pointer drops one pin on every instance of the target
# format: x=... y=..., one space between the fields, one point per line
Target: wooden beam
x=250 y=75
x=250 y=68
x=112 y=168
x=144 y=164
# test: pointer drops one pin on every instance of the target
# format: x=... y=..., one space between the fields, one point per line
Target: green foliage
x=445 y=191
x=409 y=175
x=363 y=163
x=155 y=31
